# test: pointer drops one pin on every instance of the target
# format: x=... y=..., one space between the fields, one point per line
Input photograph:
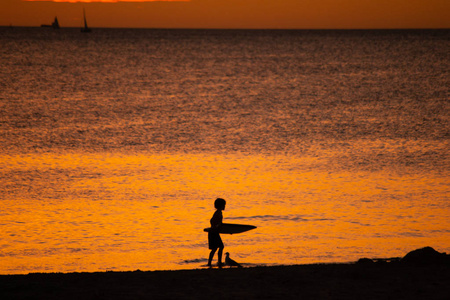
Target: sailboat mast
x=84 y=15
x=86 y=28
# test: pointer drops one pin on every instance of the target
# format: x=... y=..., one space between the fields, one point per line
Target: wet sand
x=320 y=281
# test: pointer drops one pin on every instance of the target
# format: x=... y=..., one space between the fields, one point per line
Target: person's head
x=220 y=203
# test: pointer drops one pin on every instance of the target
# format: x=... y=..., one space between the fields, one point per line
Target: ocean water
x=115 y=144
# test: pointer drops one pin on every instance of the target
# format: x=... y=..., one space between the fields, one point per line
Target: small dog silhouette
x=230 y=262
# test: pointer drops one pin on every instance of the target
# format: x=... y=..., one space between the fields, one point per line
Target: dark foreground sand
x=327 y=281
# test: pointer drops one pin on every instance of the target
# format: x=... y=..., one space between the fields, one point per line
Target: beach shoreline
x=360 y=280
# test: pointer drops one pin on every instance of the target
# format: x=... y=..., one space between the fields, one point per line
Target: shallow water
x=114 y=146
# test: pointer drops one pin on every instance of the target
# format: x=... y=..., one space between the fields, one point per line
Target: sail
x=55 y=24
x=86 y=28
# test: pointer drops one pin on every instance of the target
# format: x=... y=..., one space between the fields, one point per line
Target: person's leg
x=220 y=256
x=211 y=255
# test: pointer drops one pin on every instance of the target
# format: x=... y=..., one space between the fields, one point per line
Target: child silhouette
x=214 y=239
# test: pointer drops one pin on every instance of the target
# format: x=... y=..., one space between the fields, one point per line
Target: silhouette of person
x=214 y=239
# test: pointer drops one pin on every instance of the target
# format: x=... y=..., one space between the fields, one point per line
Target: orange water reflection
x=91 y=212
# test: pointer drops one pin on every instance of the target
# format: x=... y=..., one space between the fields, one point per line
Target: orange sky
x=301 y=14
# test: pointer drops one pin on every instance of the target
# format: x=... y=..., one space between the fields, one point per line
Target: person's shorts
x=214 y=240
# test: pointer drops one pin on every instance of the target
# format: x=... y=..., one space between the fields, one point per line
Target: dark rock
x=365 y=261
x=426 y=255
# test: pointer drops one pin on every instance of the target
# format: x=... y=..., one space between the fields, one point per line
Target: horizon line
x=243 y=28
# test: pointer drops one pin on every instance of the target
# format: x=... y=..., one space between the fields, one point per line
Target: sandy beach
x=319 y=281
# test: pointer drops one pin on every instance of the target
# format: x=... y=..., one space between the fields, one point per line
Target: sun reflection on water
x=90 y=212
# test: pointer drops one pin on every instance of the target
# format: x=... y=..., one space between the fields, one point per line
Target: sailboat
x=55 y=24
x=86 y=28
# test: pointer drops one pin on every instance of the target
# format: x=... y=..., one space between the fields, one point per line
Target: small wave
x=274 y=218
x=194 y=261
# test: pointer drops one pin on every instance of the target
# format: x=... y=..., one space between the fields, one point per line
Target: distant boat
x=55 y=24
x=86 y=28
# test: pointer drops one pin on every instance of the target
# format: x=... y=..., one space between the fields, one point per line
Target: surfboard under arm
x=227 y=228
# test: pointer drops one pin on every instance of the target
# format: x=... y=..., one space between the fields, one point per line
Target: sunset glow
x=104 y=1
x=121 y=121
x=252 y=14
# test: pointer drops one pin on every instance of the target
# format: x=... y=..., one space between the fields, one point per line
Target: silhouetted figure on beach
x=214 y=239
x=230 y=262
